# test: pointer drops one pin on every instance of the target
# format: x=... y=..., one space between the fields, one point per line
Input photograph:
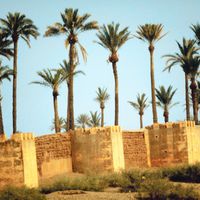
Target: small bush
x=164 y=190
x=180 y=193
x=92 y=183
x=87 y=183
x=13 y=193
x=188 y=173
x=132 y=180
x=154 y=190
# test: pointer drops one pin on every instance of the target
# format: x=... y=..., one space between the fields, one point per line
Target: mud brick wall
x=92 y=151
x=135 y=150
x=193 y=141
x=11 y=165
x=53 y=154
x=168 y=143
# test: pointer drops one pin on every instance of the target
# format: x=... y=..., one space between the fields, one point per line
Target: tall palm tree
x=102 y=97
x=16 y=26
x=65 y=71
x=5 y=73
x=196 y=30
x=94 y=119
x=151 y=33
x=187 y=50
x=165 y=97
x=112 y=39
x=194 y=63
x=140 y=105
x=83 y=120
x=72 y=25
x=53 y=81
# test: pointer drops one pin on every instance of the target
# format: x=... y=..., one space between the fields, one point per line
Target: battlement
x=95 y=130
x=182 y=124
x=22 y=136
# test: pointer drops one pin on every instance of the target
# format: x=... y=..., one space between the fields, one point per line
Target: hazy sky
x=35 y=103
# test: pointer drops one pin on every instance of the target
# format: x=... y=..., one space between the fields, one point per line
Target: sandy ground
x=91 y=196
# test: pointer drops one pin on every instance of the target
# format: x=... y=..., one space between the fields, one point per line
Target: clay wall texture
x=11 y=165
x=193 y=141
x=168 y=143
x=92 y=151
x=53 y=153
x=97 y=150
x=135 y=150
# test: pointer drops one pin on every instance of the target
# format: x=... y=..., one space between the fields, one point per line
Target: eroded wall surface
x=18 y=165
x=168 y=143
x=53 y=154
x=193 y=140
x=97 y=150
x=11 y=165
x=135 y=149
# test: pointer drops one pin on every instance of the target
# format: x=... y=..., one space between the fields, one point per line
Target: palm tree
x=165 y=100
x=53 y=81
x=65 y=71
x=83 y=120
x=94 y=119
x=73 y=24
x=62 y=124
x=198 y=94
x=151 y=33
x=140 y=105
x=193 y=65
x=187 y=51
x=111 y=38
x=5 y=49
x=102 y=97
x=5 y=73
x=196 y=30
x=17 y=26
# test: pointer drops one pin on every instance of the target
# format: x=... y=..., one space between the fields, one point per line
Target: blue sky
x=35 y=105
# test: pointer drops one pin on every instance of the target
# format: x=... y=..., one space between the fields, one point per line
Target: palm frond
x=111 y=38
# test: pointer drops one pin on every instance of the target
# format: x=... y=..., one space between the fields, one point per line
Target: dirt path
x=91 y=196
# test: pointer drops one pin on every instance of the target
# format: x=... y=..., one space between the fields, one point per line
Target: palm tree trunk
x=155 y=118
x=14 y=111
x=71 y=83
x=56 y=117
x=141 y=122
x=116 y=94
x=68 y=106
x=102 y=117
x=187 y=100
x=193 y=87
x=166 y=116
x=1 y=121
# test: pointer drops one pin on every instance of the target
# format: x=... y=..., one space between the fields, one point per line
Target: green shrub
x=114 y=179
x=187 y=173
x=86 y=183
x=186 y=193
x=91 y=183
x=132 y=180
x=163 y=190
x=154 y=190
x=13 y=193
